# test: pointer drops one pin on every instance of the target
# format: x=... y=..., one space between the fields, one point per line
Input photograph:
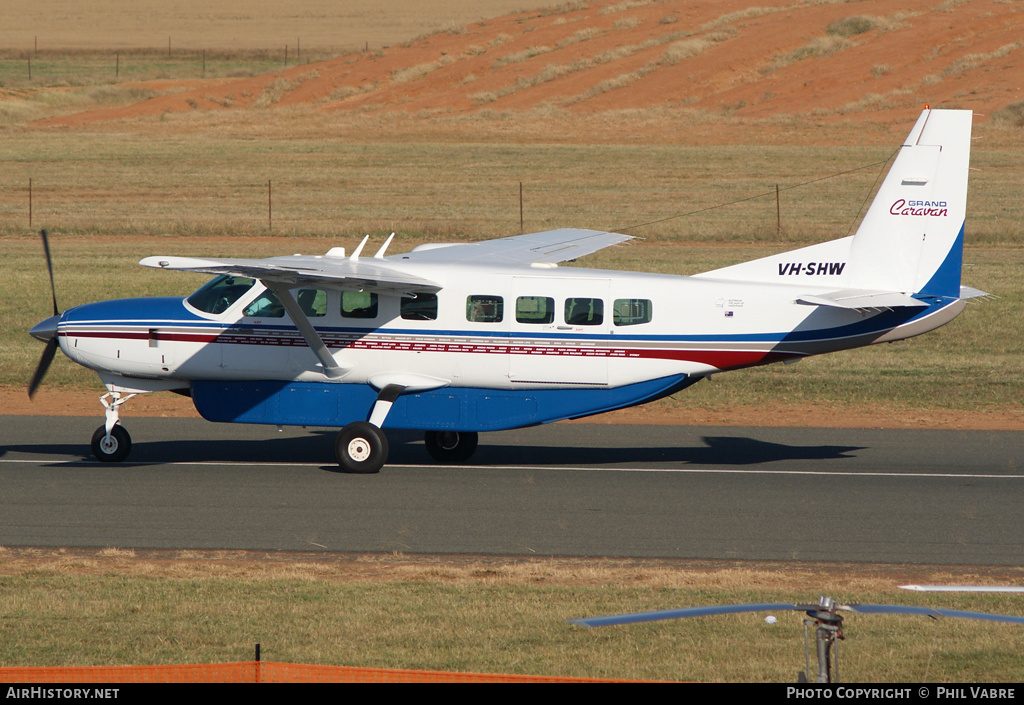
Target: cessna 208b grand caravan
x=454 y=339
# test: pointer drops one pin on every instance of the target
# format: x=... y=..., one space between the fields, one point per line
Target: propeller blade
x=49 y=267
x=47 y=330
x=43 y=366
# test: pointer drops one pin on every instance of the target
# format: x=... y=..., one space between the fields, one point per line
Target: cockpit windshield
x=217 y=295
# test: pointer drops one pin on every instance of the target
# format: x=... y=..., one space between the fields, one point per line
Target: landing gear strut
x=111 y=443
x=361 y=447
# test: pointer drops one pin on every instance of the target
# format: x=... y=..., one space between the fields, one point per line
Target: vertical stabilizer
x=911 y=239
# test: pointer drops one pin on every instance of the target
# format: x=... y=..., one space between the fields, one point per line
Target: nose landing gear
x=111 y=443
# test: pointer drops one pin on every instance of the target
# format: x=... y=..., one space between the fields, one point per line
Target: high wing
x=386 y=274
x=550 y=246
x=280 y=274
x=329 y=271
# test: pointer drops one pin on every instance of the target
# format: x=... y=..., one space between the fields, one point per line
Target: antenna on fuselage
x=380 y=252
x=359 y=250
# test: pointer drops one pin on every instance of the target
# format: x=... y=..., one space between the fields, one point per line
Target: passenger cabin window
x=631 y=312
x=419 y=307
x=266 y=305
x=313 y=302
x=358 y=304
x=584 y=312
x=485 y=309
x=535 y=309
x=219 y=294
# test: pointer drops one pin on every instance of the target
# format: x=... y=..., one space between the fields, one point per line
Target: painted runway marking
x=689 y=471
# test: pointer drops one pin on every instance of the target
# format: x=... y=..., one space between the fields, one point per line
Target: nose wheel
x=112 y=449
x=111 y=443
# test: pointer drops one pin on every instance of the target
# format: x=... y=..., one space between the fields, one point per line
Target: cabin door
x=559 y=330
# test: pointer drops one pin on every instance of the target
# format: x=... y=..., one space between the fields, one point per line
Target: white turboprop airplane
x=454 y=339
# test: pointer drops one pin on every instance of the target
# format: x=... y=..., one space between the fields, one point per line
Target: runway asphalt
x=773 y=494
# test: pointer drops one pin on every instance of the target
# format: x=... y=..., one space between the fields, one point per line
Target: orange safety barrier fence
x=260 y=672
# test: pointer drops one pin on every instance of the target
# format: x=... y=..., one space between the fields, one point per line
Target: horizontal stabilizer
x=969 y=292
x=862 y=300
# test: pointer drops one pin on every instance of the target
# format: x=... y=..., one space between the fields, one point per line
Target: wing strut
x=301 y=321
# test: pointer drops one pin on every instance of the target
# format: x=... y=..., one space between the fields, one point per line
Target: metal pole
x=520 y=207
x=778 y=212
x=30 y=202
x=270 y=208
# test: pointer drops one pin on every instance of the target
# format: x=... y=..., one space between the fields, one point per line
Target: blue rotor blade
x=934 y=612
x=686 y=612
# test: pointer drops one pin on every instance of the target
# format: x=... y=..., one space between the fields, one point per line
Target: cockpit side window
x=219 y=294
x=266 y=305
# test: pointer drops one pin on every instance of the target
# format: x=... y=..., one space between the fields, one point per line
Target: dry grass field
x=233 y=25
x=423 y=118
x=489 y=615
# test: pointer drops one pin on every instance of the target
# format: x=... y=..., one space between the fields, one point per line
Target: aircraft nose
x=45 y=331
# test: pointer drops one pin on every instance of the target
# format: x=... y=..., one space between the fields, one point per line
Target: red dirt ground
x=613 y=56
x=624 y=60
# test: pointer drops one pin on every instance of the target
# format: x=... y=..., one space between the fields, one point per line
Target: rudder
x=911 y=238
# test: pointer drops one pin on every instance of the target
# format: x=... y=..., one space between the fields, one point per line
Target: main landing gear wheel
x=361 y=448
x=112 y=450
x=451 y=446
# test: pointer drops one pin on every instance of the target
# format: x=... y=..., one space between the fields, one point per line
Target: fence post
x=778 y=212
